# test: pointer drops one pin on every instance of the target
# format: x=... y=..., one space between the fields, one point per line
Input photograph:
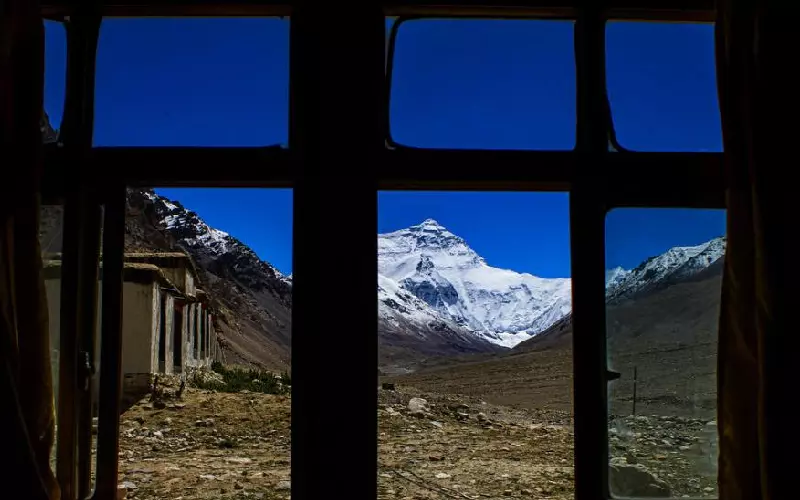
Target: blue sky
x=457 y=83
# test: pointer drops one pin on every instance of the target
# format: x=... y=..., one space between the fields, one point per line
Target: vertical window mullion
x=111 y=345
x=80 y=260
x=336 y=102
x=587 y=214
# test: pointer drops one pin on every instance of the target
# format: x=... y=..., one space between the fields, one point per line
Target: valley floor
x=237 y=446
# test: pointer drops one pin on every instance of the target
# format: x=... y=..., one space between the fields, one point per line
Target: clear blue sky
x=457 y=83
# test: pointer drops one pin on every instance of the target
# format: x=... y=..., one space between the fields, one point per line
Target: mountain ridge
x=502 y=306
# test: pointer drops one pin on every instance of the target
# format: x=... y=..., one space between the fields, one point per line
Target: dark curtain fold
x=758 y=90
x=26 y=393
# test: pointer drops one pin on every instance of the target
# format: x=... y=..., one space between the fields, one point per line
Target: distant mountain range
x=436 y=296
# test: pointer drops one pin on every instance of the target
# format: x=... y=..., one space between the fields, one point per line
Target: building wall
x=140 y=316
x=169 y=324
x=190 y=316
x=191 y=289
x=141 y=334
x=176 y=275
x=155 y=323
x=180 y=338
x=182 y=277
x=206 y=337
x=200 y=349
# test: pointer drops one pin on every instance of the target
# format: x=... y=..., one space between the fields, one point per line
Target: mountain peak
x=429 y=224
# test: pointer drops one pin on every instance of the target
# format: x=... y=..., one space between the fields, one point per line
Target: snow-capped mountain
x=456 y=284
x=214 y=248
x=615 y=276
x=699 y=267
x=675 y=264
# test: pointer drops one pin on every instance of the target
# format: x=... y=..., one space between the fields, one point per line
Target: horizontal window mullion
x=628 y=175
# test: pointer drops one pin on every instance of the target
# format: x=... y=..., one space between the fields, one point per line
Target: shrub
x=238 y=379
x=286 y=378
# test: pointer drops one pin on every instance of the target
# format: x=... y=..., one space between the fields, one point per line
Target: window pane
x=484 y=84
x=662 y=86
x=475 y=351
x=55 y=74
x=51 y=225
x=192 y=82
x=206 y=338
x=663 y=297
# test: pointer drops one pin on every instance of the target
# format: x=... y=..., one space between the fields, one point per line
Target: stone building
x=166 y=320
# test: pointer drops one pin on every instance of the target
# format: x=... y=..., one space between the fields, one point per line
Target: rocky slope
x=678 y=265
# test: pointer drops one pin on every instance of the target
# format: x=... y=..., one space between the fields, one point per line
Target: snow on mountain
x=615 y=276
x=400 y=305
x=498 y=305
x=451 y=282
x=674 y=264
x=215 y=249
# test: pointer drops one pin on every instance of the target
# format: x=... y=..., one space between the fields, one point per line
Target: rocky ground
x=445 y=446
x=207 y=445
x=431 y=446
x=680 y=451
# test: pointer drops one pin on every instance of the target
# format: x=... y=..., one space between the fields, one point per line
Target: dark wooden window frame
x=336 y=166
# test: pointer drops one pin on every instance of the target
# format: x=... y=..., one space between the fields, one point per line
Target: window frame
x=700 y=202
x=596 y=180
x=391 y=143
x=612 y=138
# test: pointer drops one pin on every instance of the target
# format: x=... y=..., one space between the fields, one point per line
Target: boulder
x=418 y=407
x=634 y=480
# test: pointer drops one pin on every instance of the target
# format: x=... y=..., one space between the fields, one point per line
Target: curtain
x=26 y=395
x=758 y=90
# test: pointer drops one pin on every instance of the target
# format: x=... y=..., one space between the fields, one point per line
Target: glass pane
x=192 y=82
x=662 y=86
x=663 y=296
x=206 y=358
x=484 y=84
x=51 y=239
x=51 y=225
x=55 y=74
x=475 y=350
